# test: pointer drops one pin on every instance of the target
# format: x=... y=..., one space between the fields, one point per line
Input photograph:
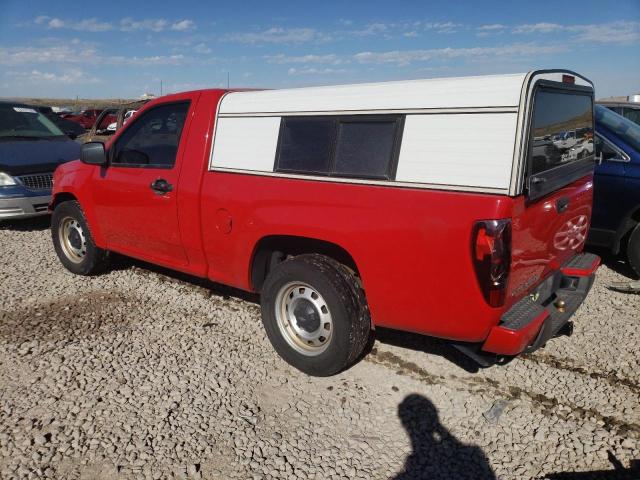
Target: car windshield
x=18 y=121
x=623 y=127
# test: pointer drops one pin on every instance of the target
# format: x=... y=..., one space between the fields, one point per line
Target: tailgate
x=551 y=221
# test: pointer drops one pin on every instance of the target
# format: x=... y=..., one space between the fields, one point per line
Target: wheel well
x=274 y=249
x=624 y=232
x=62 y=197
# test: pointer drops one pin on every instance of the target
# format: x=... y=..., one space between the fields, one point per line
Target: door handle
x=161 y=186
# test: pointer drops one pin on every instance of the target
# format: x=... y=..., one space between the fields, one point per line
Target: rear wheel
x=315 y=314
x=633 y=250
x=73 y=242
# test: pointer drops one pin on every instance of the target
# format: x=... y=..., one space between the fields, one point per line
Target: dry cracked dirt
x=141 y=373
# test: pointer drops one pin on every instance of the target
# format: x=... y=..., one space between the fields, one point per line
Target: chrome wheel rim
x=303 y=318
x=72 y=239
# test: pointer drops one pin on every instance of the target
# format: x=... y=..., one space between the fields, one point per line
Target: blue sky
x=125 y=48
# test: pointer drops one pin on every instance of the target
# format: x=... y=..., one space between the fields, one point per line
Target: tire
x=73 y=242
x=315 y=314
x=633 y=250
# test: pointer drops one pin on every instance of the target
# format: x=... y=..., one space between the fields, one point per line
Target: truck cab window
x=153 y=139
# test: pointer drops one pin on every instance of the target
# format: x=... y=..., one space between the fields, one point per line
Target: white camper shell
x=467 y=133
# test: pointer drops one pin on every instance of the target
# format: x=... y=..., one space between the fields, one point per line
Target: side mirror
x=92 y=153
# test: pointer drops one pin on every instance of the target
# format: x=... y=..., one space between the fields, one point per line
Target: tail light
x=491 y=251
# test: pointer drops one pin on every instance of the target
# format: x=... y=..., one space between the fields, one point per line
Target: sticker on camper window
x=24 y=110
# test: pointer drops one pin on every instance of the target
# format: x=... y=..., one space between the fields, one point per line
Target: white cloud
x=492 y=27
x=410 y=56
x=202 y=48
x=625 y=33
x=284 y=59
x=69 y=77
x=443 y=27
x=372 y=29
x=538 y=28
x=620 y=32
x=315 y=71
x=183 y=25
x=64 y=54
x=279 y=35
x=146 y=61
x=128 y=24
x=86 y=25
x=39 y=55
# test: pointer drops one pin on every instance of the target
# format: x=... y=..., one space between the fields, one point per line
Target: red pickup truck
x=86 y=118
x=440 y=206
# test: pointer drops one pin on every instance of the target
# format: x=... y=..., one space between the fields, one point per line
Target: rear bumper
x=24 y=207
x=538 y=317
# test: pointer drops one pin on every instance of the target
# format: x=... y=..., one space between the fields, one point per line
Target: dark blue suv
x=615 y=223
x=31 y=147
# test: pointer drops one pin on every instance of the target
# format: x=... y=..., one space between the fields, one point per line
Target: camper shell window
x=363 y=146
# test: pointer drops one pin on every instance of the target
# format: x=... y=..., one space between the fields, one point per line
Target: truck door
x=135 y=195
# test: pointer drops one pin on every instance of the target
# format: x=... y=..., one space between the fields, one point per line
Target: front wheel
x=315 y=314
x=73 y=242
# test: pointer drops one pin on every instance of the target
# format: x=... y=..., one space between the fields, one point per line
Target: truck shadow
x=436 y=453
x=397 y=338
x=34 y=224
x=206 y=287
x=422 y=343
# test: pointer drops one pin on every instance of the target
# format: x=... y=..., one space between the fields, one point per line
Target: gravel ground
x=141 y=373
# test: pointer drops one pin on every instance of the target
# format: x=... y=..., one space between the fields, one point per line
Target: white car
x=582 y=148
x=565 y=140
x=112 y=126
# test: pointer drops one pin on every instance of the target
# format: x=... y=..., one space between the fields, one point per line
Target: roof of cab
x=460 y=92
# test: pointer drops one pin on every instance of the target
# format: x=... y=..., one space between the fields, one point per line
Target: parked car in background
x=31 y=147
x=615 y=224
x=109 y=121
x=114 y=126
x=61 y=110
x=628 y=108
x=347 y=208
x=565 y=140
x=86 y=118
x=70 y=129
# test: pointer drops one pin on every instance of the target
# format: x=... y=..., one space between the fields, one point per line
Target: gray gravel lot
x=140 y=373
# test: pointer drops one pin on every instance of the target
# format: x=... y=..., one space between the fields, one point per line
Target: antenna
x=160 y=87
x=227 y=79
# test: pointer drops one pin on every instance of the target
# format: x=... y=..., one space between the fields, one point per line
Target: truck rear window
x=561 y=142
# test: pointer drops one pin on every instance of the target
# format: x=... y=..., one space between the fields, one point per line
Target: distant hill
x=73 y=104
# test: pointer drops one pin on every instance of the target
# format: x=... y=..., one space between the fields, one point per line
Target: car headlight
x=6 y=180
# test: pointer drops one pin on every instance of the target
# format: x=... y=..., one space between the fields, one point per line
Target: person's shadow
x=437 y=454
